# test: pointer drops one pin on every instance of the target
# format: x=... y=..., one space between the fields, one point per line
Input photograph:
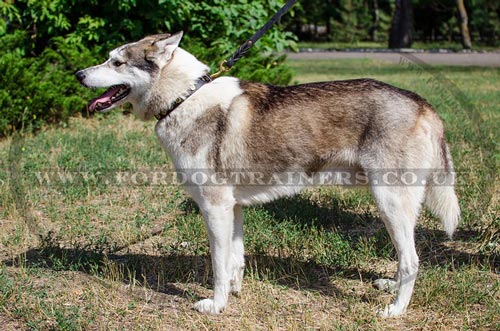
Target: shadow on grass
x=162 y=273
x=331 y=217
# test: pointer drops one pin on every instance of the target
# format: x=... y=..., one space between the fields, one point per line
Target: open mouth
x=109 y=98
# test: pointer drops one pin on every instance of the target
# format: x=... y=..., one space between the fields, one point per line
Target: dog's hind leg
x=237 y=262
x=399 y=208
x=219 y=223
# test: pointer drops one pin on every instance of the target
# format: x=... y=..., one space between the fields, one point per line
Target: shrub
x=45 y=41
x=42 y=89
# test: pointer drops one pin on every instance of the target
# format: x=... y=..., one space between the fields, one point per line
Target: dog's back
x=315 y=125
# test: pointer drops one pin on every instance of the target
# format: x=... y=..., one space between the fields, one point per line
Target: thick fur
x=360 y=124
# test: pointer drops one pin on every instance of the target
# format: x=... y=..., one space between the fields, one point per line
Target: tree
x=401 y=32
x=464 y=25
x=376 y=21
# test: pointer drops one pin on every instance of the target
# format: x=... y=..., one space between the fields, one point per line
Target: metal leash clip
x=222 y=69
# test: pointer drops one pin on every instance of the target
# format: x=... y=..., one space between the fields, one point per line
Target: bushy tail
x=441 y=197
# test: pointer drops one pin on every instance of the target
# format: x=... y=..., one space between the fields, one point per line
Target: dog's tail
x=441 y=198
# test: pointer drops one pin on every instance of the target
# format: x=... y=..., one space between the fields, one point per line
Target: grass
x=96 y=255
x=454 y=46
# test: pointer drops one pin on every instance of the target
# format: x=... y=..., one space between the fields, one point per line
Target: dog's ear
x=162 y=47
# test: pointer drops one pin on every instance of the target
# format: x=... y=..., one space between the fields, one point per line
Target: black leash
x=226 y=65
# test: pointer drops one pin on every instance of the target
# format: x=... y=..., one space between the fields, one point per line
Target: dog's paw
x=236 y=288
x=208 y=306
x=389 y=285
x=391 y=310
x=236 y=279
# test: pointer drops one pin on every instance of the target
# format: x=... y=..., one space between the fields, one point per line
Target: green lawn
x=93 y=254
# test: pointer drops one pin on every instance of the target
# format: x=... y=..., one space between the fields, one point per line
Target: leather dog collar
x=197 y=85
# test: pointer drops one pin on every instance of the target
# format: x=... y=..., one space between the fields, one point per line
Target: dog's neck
x=174 y=81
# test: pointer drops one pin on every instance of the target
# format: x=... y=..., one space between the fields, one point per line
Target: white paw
x=391 y=311
x=236 y=280
x=389 y=285
x=236 y=287
x=208 y=306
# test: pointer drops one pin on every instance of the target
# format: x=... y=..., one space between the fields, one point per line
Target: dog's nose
x=80 y=75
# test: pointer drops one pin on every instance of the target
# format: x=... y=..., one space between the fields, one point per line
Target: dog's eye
x=117 y=63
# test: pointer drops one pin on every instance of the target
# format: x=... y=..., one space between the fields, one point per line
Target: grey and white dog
x=360 y=124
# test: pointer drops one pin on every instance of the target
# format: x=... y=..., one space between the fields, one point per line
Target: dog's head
x=129 y=71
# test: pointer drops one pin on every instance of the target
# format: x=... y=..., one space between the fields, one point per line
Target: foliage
x=354 y=20
x=46 y=41
x=35 y=90
x=485 y=20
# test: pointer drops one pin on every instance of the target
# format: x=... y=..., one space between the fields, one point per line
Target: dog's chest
x=187 y=148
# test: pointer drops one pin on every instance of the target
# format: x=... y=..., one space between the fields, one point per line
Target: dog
x=362 y=125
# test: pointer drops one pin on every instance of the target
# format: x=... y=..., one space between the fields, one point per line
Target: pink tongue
x=104 y=98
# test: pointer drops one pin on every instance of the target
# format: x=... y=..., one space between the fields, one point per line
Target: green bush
x=41 y=89
x=44 y=42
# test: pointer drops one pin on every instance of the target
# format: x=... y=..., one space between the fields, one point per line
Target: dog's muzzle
x=80 y=75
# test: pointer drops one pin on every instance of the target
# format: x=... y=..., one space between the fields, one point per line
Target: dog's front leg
x=219 y=222
x=237 y=263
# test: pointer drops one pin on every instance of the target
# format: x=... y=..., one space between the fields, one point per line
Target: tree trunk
x=464 y=26
x=401 y=33
x=376 y=21
x=328 y=19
